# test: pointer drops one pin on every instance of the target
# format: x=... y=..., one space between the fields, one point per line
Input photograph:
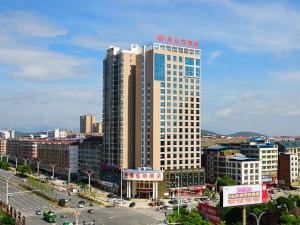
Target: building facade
x=288 y=174
x=119 y=71
x=86 y=123
x=290 y=147
x=225 y=161
x=90 y=154
x=3 y=146
x=61 y=154
x=267 y=153
x=98 y=128
x=23 y=149
x=56 y=133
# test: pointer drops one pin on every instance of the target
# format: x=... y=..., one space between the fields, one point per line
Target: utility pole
x=53 y=166
x=7 y=188
x=7 y=156
x=177 y=177
x=38 y=167
x=244 y=215
x=121 y=186
x=16 y=158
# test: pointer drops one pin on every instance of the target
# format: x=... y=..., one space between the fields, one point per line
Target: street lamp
x=25 y=161
x=7 y=156
x=53 y=166
x=69 y=174
x=89 y=173
x=7 y=188
x=177 y=177
x=38 y=167
x=16 y=158
x=257 y=218
x=121 y=186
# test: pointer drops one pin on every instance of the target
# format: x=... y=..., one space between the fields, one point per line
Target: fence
x=9 y=210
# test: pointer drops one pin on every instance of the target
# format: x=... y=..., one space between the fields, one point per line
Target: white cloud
x=287 y=75
x=213 y=55
x=223 y=113
x=30 y=24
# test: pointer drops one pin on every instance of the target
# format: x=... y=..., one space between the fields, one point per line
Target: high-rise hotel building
x=152 y=110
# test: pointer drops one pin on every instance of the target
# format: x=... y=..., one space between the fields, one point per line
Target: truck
x=49 y=216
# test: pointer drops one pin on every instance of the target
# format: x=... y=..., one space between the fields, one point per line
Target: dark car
x=91 y=204
x=132 y=204
x=152 y=204
x=62 y=202
x=173 y=202
x=160 y=203
x=81 y=202
x=184 y=206
x=91 y=211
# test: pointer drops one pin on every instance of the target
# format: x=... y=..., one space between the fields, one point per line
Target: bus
x=49 y=216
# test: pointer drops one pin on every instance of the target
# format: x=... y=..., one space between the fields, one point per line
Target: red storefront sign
x=142 y=175
x=177 y=41
x=209 y=212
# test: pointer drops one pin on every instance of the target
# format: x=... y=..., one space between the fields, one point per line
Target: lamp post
x=177 y=177
x=121 y=186
x=16 y=158
x=69 y=174
x=7 y=188
x=25 y=161
x=89 y=173
x=7 y=156
x=38 y=167
x=53 y=166
x=257 y=218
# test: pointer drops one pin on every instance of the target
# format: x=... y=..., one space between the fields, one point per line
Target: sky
x=51 y=56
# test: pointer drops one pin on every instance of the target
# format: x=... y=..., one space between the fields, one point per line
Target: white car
x=9 y=195
x=169 y=207
x=80 y=206
x=119 y=201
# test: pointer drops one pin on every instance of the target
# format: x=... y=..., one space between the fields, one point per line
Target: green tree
x=187 y=218
x=4 y=165
x=290 y=202
x=224 y=181
x=23 y=169
x=287 y=219
x=5 y=219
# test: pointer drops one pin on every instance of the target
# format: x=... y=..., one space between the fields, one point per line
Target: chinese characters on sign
x=176 y=41
x=209 y=212
x=244 y=195
x=142 y=175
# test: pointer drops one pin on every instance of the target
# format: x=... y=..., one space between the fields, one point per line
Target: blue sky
x=51 y=56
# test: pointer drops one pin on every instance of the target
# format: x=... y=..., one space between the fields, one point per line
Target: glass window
x=180 y=59
x=169 y=66
x=174 y=58
x=168 y=57
x=197 y=62
x=159 y=66
x=189 y=61
x=189 y=71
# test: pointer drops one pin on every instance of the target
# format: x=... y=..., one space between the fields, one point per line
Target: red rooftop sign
x=177 y=41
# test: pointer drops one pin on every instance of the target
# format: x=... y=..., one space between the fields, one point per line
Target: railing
x=9 y=210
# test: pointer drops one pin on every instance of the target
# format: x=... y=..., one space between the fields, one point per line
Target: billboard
x=244 y=195
x=209 y=212
x=143 y=175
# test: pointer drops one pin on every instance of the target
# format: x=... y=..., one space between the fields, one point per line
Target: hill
x=246 y=133
x=208 y=132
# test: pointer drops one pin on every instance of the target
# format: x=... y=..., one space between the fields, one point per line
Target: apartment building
x=23 y=149
x=62 y=154
x=89 y=155
x=288 y=174
x=3 y=146
x=226 y=161
x=267 y=153
x=290 y=147
x=56 y=133
x=98 y=128
x=86 y=123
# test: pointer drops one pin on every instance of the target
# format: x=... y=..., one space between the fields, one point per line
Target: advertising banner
x=141 y=175
x=244 y=195
x=209 y=212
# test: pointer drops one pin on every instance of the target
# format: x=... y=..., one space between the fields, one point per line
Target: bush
x=4 y=165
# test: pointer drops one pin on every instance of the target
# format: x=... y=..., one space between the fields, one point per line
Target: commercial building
x=61 y=154
x=2 y=146
x=288 y=174
x=86 y=123
x=7 y=134
x=89 y=155
x=267 y=153
x=227 y=161
x=290 y=147
x=152 y=112
x=23 y=149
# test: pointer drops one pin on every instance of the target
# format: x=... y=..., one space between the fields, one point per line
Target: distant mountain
x=20 y=134
x=246 y=133
x=208 y=132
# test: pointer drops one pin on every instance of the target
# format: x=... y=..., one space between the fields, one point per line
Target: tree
x=289 y=202
x=287 y=219
x=23 y=169
x=4 y=165
x=224 y=181
x=187 y=218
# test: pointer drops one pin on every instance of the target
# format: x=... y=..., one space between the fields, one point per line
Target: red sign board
x=209 y=212
x=177 y=41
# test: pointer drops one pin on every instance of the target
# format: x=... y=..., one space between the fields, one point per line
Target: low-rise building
x=267 y=153
x=7 y=134
x=90 y=150
x=56 y=133
x=288 y=173
x=23 y=148
x=227 y=161
x=61 y=154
